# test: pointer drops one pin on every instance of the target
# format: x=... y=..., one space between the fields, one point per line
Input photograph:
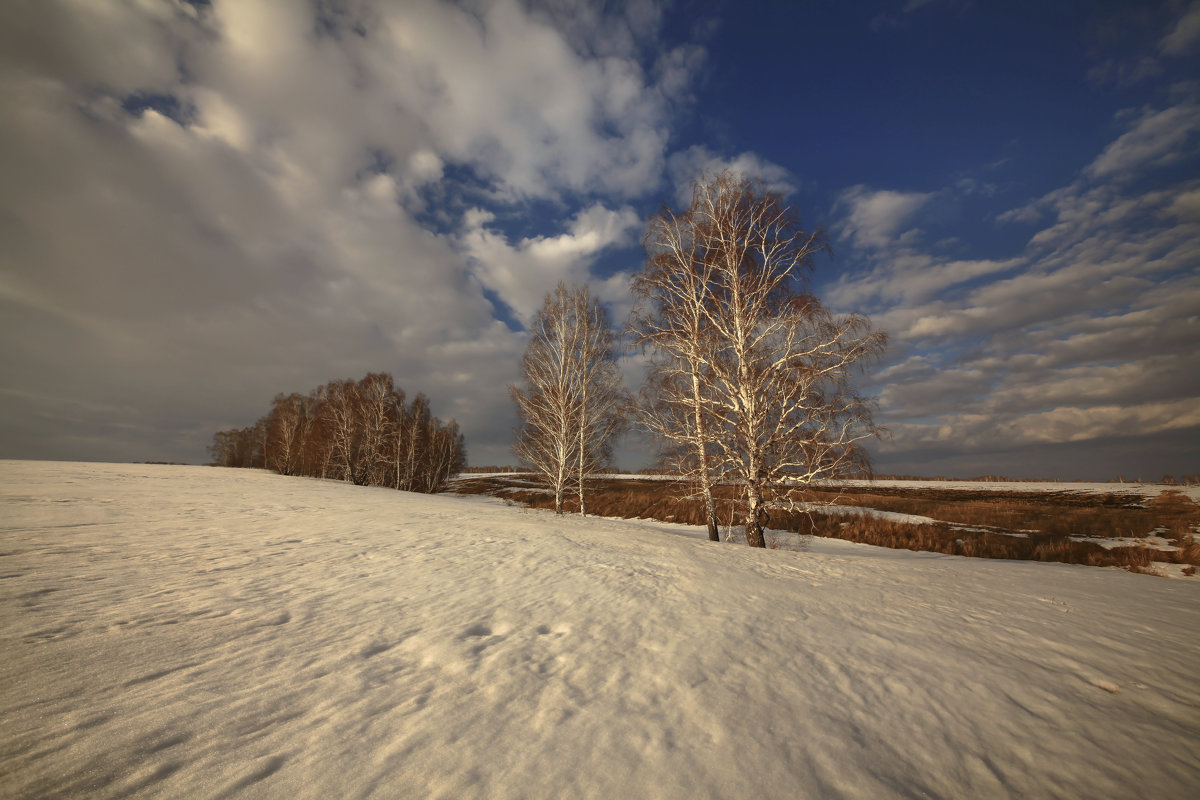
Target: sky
x=203 y=204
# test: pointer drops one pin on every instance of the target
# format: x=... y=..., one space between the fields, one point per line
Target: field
x=193 y=632
x=1142 y=527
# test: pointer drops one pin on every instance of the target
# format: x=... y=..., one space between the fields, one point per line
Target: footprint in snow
x=479 y=629
x=557 y=631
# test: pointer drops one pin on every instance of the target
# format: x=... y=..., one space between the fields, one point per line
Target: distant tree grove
x=361 y=431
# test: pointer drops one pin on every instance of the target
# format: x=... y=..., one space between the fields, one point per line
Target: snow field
x=196 y=632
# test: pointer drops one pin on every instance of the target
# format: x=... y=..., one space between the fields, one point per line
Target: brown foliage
x=359 y=431
x=1020 y=526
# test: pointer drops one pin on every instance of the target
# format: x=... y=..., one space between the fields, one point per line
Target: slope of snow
x=187 y=632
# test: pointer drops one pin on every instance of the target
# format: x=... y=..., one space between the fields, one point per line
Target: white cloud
x=523 y=272
x=265 y=222
x=912 y=278
x=1158 y=138
x=872 y=218
x=1029 y=213
x=507 y=93
x=1125 y=73
x=1186 y=206
x=1184 y=34
x=425 y=167
x=1088 y=334
x=1061 y=425
x=120 y=47
x=687 y=166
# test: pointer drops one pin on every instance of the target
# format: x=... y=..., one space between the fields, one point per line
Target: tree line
x=749 y=379
x=361 y=431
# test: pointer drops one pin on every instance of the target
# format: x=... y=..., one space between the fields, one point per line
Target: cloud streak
x=1085 y=335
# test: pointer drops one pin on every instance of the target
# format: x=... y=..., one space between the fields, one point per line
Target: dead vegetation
x=1067 y=527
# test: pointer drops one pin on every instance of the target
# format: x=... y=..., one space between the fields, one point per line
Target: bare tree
x=772 y=402
x=600 y=397
x=339 y=416
x=288 y=426
x=240 y=447
x=353 y=431
x=546 y=408
x=671 y=321
x=413 y=443
x=446 y=454
x=572 y=404
x=223 y=450
x=377 y=418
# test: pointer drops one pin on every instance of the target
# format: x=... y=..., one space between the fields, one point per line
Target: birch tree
x=288 y=425
x=339 y=417
x=773 y=404
x=600 y=397
x=413 y=434
x=446 y=454
x=670 y=321
x=376 y=418
x=358 y=431
x=571 y=406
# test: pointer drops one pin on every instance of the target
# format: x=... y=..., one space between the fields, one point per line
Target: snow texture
x=191 y=632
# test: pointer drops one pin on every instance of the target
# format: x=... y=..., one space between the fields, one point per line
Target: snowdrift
x=191 y=632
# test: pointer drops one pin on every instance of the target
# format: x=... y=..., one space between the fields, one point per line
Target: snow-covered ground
x=200 y=633
x=862 y=511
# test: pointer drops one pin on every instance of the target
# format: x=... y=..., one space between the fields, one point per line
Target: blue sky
x=204 y=204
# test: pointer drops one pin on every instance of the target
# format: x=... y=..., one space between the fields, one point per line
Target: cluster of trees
x=1184 y=480
x=1167 y=480
x=749 y=379
x=358 y=431
x=572 y=405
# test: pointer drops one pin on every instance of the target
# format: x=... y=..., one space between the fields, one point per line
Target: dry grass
x=983 y=524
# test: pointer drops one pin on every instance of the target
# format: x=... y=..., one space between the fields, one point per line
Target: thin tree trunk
x=710 y=507
x=754 y=531
x=583 y=409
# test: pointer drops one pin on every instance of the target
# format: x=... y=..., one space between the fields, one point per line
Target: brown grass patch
x=980 y=524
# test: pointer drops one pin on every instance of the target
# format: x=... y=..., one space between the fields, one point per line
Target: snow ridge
x=195 y=632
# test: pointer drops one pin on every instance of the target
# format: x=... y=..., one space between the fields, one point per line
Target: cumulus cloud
x=521 y=273
x=206 y=204
x=1185 y=34
x=510 y=94
x=872 y=218
x=686 y=167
